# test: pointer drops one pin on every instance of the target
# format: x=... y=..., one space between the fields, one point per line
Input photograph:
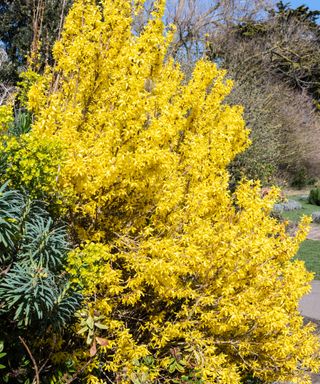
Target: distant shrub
x=300 y=178
x=314 y=196
x=316 y=217
x=290 y=205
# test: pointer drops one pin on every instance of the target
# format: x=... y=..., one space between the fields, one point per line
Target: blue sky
x=312 y=4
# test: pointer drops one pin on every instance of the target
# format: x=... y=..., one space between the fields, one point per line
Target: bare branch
x=35 y=366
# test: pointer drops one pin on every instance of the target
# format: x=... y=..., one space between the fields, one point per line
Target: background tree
x=283 y=125
x=28 y=26
x=275 y=58
x=284 y=47
x=195 y=20
x=268 y=51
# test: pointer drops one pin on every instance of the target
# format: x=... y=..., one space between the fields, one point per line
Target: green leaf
x=90 y=322
x=83 y=330
x=101 y=326
x=179 y=368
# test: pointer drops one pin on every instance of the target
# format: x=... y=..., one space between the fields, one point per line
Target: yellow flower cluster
x=6 y=116
x=187 y=281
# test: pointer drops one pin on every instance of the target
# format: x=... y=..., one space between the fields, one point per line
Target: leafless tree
x=197 y=20
x=5 y=90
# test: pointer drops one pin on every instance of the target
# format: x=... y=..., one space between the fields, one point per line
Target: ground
x=309 y=252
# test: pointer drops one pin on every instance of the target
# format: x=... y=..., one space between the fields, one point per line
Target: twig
x=78 y=372
x=6 y=270
x=61 y=19
x=33 y=360
x=43 y=365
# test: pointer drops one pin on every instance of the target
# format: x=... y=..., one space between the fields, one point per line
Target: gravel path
x=314 y=233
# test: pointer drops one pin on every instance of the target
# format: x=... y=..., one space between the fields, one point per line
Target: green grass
x=309 y=252
x=307 y=209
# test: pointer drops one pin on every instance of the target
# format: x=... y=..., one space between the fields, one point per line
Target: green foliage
x=300 y=178
x=27 y=79
x=29 y=164
x=2 y=354
x=37 y=300
x=10 y=205
x=33 y=288
x=19 y=376
x=60 y=375
x=314 y=196
x=47 y=244
x=36 y=297
x=21 y=124
x=34 y=169
x=302 y=13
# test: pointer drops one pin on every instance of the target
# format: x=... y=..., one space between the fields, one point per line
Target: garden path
x=310 y=309
x=314 y=233
x=310 y=304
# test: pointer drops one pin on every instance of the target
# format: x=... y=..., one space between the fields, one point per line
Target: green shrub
x=314 y=196
x=33 y=286
x=37 y=301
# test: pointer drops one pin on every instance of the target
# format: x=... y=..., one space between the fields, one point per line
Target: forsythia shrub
x=183 y=282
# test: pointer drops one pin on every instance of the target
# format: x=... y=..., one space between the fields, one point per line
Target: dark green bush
x=301 y=178
x=37 y=300
x=314 y=196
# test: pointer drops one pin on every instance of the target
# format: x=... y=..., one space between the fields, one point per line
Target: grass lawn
x=309 y=252
x=307 y=209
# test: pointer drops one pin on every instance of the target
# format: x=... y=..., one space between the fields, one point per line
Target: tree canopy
x=27 y=25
